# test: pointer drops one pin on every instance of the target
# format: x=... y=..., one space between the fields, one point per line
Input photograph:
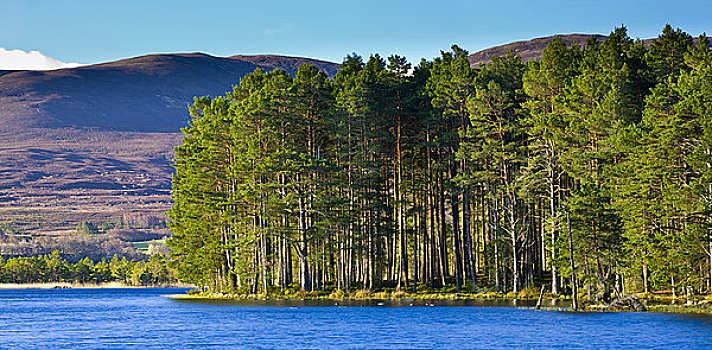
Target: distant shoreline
x=69 y=285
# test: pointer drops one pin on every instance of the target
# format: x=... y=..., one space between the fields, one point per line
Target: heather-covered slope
x=143 y=94
x=94 y=143
x=528 y=49
x=532 y=49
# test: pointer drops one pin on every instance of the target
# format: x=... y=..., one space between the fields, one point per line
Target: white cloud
x=284 y=28
x=33 y=60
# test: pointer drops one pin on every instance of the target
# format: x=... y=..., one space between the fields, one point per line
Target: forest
x=588 y=171
x=53 y=267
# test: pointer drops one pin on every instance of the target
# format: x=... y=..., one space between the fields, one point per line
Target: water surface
x=142 y=319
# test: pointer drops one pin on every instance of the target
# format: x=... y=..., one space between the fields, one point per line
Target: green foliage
x=444 y=174
x=54 y=268
x=106 y=226
x=666 y=55
x=87 y=228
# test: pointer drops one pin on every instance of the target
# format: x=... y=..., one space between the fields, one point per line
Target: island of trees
x=587 y=171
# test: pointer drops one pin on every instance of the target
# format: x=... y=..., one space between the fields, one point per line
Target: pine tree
x=666 y=54
x=545 y=82
x=495 y=148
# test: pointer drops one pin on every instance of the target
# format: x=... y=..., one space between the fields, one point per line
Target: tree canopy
x=443 y=175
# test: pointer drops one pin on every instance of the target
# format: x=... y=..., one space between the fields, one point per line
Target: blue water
x=142 y=319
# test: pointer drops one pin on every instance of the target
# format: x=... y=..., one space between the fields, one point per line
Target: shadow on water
x=551 y=303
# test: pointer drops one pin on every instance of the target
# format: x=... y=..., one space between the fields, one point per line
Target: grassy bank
x=683 y=308
x=665 y=301
x=658 y=302
x=527 y=294
x=702 y=308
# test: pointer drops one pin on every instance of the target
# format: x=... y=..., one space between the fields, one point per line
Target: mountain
x=532 y=49
x=94 y=143
x=142 y=94
x=289 y=64
x=528 y=49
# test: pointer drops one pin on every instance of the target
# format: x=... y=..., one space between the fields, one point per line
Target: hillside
x=528 y=49
x=142 y=94
x=289 y=64
x=94 y=143
x=532 y=49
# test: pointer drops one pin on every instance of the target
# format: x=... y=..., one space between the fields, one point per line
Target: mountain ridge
x=532 y=49
x=528 y=49
x=144 y=94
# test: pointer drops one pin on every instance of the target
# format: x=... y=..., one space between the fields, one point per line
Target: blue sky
x=91 y=31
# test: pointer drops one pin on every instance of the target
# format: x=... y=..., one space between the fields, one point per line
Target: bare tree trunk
x=541 y=295
x=442 y=244
x=495 y=239
x=710 y=261
x=574 y=284
x=455 y=211
x=554 y=232
x=645 y=277
x=466 y=230
x=515 y=245
x=371 y=251
x=304 y=277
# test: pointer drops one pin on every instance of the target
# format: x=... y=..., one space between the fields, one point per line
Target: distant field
x=145 y=246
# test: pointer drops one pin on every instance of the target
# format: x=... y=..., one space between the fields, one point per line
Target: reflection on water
x=555 y=303
x=142 y=319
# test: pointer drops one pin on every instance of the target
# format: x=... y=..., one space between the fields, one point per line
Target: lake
x=142 y=319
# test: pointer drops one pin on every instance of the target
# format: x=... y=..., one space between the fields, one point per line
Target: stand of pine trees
x=591 y=165
x=54 y=267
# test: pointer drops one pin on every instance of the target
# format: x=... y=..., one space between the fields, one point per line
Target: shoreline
x=679 y=306
x=555 y=304
x=354 y=296
x=70 y=285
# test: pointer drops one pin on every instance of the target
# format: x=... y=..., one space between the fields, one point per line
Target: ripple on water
x=142 y=319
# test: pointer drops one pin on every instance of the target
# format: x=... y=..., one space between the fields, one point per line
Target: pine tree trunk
x=468 y=236
x=304 y=277
x=495 y=240
x=554 y=232
x=574 y=284
x=454 y=205
x=515 y=246
x=442 y=244
x=710 y=262
x=645 y=277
